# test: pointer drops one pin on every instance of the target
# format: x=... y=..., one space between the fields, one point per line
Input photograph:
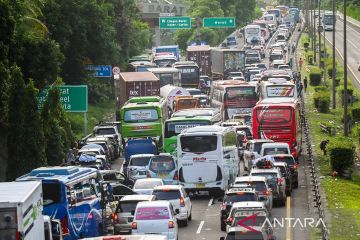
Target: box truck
x=226 y=60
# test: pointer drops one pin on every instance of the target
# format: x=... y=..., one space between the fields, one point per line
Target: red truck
x=201 y=55
x=135 y=84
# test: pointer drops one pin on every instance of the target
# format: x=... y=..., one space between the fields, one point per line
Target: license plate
x=200 y=185
x=162 y=175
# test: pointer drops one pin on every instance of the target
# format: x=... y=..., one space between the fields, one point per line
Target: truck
x=135 y=84
x=169 y=92
x=21 y=206
x=174 y=49
x=201 y=55
x=226 y=60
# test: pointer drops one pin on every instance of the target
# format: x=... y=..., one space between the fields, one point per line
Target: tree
x=16 y=118
x=33 y=153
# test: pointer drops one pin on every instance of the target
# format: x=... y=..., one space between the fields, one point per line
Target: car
x=92 y=148
x=248 y=132
x=163 y=166
x=116 y=177
x=111 y=131
x=179 y=199
x=292 y=164
x=252 y=56
x=155 y=217
x=146 y=186
x=252 y=151
x=285 y=172
x=275 y=180
x=260 y=49
x=124 y=212
x=276 y=55
x=236 y=74
x=233 y=195
x=194 y=91
x=90 y=159
x=244 y=118
x=119 y=190
x=277 y=63
x=245 y=209
x=260 y=184
x=261 y=66
x=106 y=144
x=274 y=148
x=241 y=233
x=138 y=166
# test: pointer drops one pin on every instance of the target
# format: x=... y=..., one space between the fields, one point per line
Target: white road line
x=210 y=202
x=347 y=40
x=200 y=227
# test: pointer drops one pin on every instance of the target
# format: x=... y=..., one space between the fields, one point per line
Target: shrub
x=315 y=76
x=337 y=81
x=306 y=45
x=329 y=71
x=355 y=112
x=341 y=153
x=320 y=89
x=322 y=101
x=309 y=57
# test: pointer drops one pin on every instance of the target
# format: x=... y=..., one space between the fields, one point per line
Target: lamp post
x=314 y=29
x=333 y=74
x=319 y=32
x=346 y=124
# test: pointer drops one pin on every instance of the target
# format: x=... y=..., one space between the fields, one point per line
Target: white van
x=274 y=148
x=208 y=158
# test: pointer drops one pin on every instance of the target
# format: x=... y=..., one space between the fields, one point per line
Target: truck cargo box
x=200 y=55
x=225 y=60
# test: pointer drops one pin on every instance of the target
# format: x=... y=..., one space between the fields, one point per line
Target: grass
x=95 y=114
x=342 y=195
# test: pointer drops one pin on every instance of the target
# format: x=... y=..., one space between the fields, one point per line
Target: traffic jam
x=222 y=124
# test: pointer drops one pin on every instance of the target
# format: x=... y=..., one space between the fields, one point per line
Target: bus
x=143 y=117
x=283 y=9
x=72 y=195
x=327 y=21
x=279 y=119
x=276 y=12
x=193 y=118
x=295 y=12
x=208 y=159
x=190 y=74
x=277 y=87
x=252 y=34
x=233 y=97
x=167 y=75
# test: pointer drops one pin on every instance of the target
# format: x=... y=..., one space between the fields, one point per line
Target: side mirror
x=177 y=211
x=133 y=212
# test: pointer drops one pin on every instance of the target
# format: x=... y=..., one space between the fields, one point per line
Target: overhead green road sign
x=73 y=98
x=219 y=22
x=175 y=22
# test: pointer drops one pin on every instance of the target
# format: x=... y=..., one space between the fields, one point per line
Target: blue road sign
x=100 y=71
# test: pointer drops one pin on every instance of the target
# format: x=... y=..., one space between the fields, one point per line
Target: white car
x=274 y=148
x=179 y=199
x=146 y=186
x=138 y=166
x=252 y=151
x=155 y=217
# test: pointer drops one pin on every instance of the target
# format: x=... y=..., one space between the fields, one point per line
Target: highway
x=205 y=224
x=353 y=48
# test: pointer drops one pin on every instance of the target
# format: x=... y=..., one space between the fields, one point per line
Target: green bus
x=184 y=119
x=143 y=117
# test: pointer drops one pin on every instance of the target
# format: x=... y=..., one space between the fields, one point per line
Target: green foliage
x=16 y=116
x=315 y=76
x=320 y=88
x=4 y=95
x=355 y=113
x=341 y=152
x=322 y=101
x=309 y=55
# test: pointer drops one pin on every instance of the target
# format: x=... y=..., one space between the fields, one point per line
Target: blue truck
x=171 y=48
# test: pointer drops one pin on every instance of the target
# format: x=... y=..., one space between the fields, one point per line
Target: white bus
x=208 y=158
x=253 y=34
x=327 y=20
x=277 y=88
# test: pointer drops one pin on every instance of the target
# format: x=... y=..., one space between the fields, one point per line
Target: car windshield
x=152 y=213
x=166 y=194
x=162 y=164
x=174 y=128
x=105 y=131
x=259 y=221
x=197 y=144
x=289 y=160
x=146 y=184
x=127 y=206
x=273 y=151
x=268 y=175
x=259 y=186
x=139 y=161
x=194 y=92
x=240 y=197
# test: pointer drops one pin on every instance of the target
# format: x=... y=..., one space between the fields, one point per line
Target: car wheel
x=223 y=226
x=190 y=216
x=185 y=222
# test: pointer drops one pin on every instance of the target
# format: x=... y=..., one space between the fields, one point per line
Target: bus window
x=143 y=115
x=174 y=128
x=274 y=116
x=51 y=193
x=243 y=96
x=198 y=143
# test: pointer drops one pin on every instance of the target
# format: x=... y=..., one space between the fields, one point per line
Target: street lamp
x=333 y=56
x=346 y=124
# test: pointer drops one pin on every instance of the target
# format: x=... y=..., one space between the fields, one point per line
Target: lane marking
x=210 y=202
x=200 y=227
x=288 y=216
x=347 y=41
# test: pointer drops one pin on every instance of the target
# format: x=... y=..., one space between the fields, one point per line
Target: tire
x=190 y=216
x=223 y=226
x=185 y=222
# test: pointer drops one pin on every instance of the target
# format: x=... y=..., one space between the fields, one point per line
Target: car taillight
x=64 y=225
x=171 y=224
x=279 y=181
x=229 y=220
x=133 y=225
x=296 y=166
x=182 y=202
x=266 y=193
x=176 y=176
x=115 y=217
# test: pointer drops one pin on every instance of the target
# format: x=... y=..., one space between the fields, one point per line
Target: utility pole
x=198 y=34
x=346 y=124
x=324 y=40
x=333 y=74
x=311 y=25
x=314 y=29
x=319 y=32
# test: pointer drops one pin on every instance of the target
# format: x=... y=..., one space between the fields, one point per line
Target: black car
x=114 y=176
x=232 y=196
x=292 y=164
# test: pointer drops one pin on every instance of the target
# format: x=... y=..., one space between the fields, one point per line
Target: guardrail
x=352 y=22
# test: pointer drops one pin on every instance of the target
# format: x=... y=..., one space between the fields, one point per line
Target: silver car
x=138 y=166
